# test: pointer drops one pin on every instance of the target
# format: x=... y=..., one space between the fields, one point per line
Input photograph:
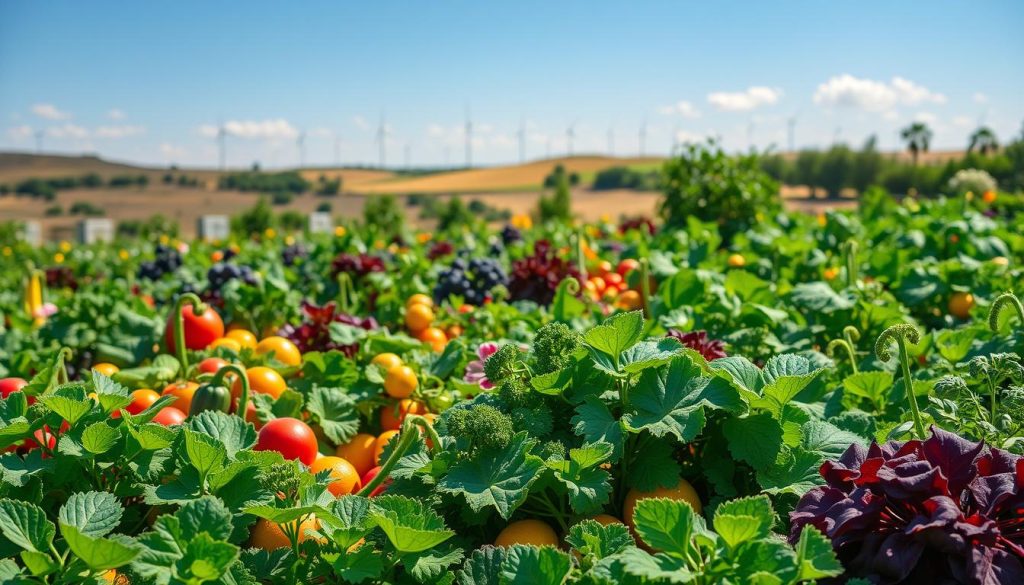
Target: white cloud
x=20 y=132
x=926 y=117
x=891 y=115
x=360 y=122
x=272 y=129
x=980 y=98
x=171 y=151
x=684 y=137
x=682 y=108
x=749 y=99
x=320 y=132
x=119 y=131
x=67 y=131
x=874 y=96
x=50 y=112
x=115 y=114
x=962 y=122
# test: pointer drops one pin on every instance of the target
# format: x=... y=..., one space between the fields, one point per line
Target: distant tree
x=324 y=207
x=558 y=206
x=168 y=178
x=454 y=214
x=805 y=169
x=983 y=140
x=867 y=164
x=141 y=181
x=834 y=170
x=255 y=220
x=292 y=221
x=918 y=137
x=382 y=211
x=91 y=181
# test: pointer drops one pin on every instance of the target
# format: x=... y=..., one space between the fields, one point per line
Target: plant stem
x=243 y=399
x=179 y=326
x=908 y=385
x=406 y=438
x=992 y=393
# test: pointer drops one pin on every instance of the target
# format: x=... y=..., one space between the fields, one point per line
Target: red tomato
x=211 y=365
x=169 y=416
x=626 y=266
x=200 y=331
x=290 y=437
x=368 y=477
x=141 y=400
x=9 y=386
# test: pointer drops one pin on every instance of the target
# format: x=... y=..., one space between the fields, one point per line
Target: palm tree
x=918 y=137
x=983 y=140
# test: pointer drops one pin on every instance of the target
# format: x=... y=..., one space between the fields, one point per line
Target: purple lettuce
x=942 y=510
x=314 y=333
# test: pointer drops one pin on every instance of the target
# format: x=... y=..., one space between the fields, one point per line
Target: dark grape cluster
x=439 y=250
x=167 y=260
x=290 y=255
x=510 y=234
x=221 y=273
x=61 y=277
x=472 y=280
x=356 y=265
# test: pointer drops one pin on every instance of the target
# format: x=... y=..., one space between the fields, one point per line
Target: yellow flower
x=379 y=244
x=969 y=195
x=123 y=254
x=289 y=240
x=522 y=221
x=606 y=218
x=58 y=257
x=393 y=248
x=424 y=237
x=822 y=219
x=269 y=232
x=164 y=239
x=65 y=246
x=340 y=231
x=8 y=251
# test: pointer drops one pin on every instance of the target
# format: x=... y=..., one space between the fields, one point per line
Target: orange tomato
x=106 y=369
x=599 y=284
x=400 y=382
x=183 y=392
x=629 y=300
x=244 y=337
x=378 y=446
x=434 y=336
x=359 y=452
x=989 y=197
x=603 y=267
x=613 y=279
x=960 y=304
x=142 y=399
x=530 y=531
x=284 y=350
x=263 y=380
x=419 y=299
x=605 y=519
x=418 y=318
x=453 y=331
x=393 y=415
x=737 y=261
x=269 y=536
x=386 y=360
x=681 y=491
x=344 y=474
x=216 y=256
x=831 y=273
x=227 y=342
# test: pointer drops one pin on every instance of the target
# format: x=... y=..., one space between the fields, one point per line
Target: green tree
x=557 y=207
x=454 y=214
x=805 y=170
x=705 y=182
x=835 y=169
x=918 y=137
x=255 y=220
x=867 y=166
x=983 y=140
x=382 y=211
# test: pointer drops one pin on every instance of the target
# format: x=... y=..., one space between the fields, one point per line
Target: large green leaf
x=665 y=525
x=531 y=565
x=755 y=439
x=500 y=479
x=100 y=553
x=409 y=526
x=26 y=525
x=92 y=513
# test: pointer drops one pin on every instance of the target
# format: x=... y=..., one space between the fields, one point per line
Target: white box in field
x=95 y=230
x=31 y=233
x=214 y=227
x=321 y=222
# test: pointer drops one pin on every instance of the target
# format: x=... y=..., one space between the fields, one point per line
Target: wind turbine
x=300 y=142
x=643 y=137
x=570 y=134
x=337 y=150
x=469 y=139
x=382 y=138
x=222 y=140
x=750 y=135
x=675 y=138
x=39 y=141
x=522 y=141
x=611 y=141
x=408 y=155
x=791 y=132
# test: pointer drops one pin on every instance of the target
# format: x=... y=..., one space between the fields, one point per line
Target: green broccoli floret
x=481 y=426
x=536 y=420
x=502 y=364
x=553 y=347
x=552 y=450
x=515 y=392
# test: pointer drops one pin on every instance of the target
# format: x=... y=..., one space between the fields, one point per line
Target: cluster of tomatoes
x=612 y=284
x=420 y=322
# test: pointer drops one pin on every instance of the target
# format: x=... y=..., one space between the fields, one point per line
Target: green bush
x=85 y=208
x=292 y=221
x=255 y=220
x=626 y=178
x=265 y=182
x=382 y=211
x=282 y=198
x=454 y=214
x=54 y=211
x=706 y=183
x=558 y=206
x=324 y=207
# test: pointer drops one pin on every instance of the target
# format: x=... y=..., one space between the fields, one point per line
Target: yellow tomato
x=400 y=382
x=243 y=337
x=263 y=380
x=106 y=369
x=419 y=299
x=530 y=531
x=284 y=350
x=960 y=304
x=359 y=452
x=226 y=342
x=386 y=360
x=418 y=317
x=344 y=475
x=737 y=261
x=681 y=491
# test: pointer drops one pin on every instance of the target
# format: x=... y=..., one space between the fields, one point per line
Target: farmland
x=733 y=390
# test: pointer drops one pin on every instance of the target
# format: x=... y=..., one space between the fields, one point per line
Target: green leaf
x=409 y=526
x=552 y=383
x=655 y=568
x=796 y=472
x=828 y=439
x=744 y=519
x=38 y=564
x=531 y=565
x=665 y=525
x=26 y=526
x=335 y=412
x=617 y=334
x=589 y=486
x=755 y=439
x=819 y=297
x=785 y=376
x=100 y=553
x=654 y=466
x=450 y=358
x=70 y=403
x=741 y=371
x=591 y=538
x=92 y=513
x=207 y=514
x=100 y=437
x=429 y=566
x=872 y=386
x=205 y=559
x=669 y=400
x=483 y=567
x=231 y=431
x=499 y=479
x=566 y=306
x=151 y=436
x=649 y=354
x=594 y=422
x=815 y=556
x=204 y=452
x=359 y=565
x=348 y=521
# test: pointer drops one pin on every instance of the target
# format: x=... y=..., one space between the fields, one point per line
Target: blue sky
x=150 y=81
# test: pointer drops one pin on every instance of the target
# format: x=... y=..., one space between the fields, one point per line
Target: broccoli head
x=553 y=347
x=536 y=420
x=552 y=450
x=481 y=426
x=514 y=392
x=502 y=364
